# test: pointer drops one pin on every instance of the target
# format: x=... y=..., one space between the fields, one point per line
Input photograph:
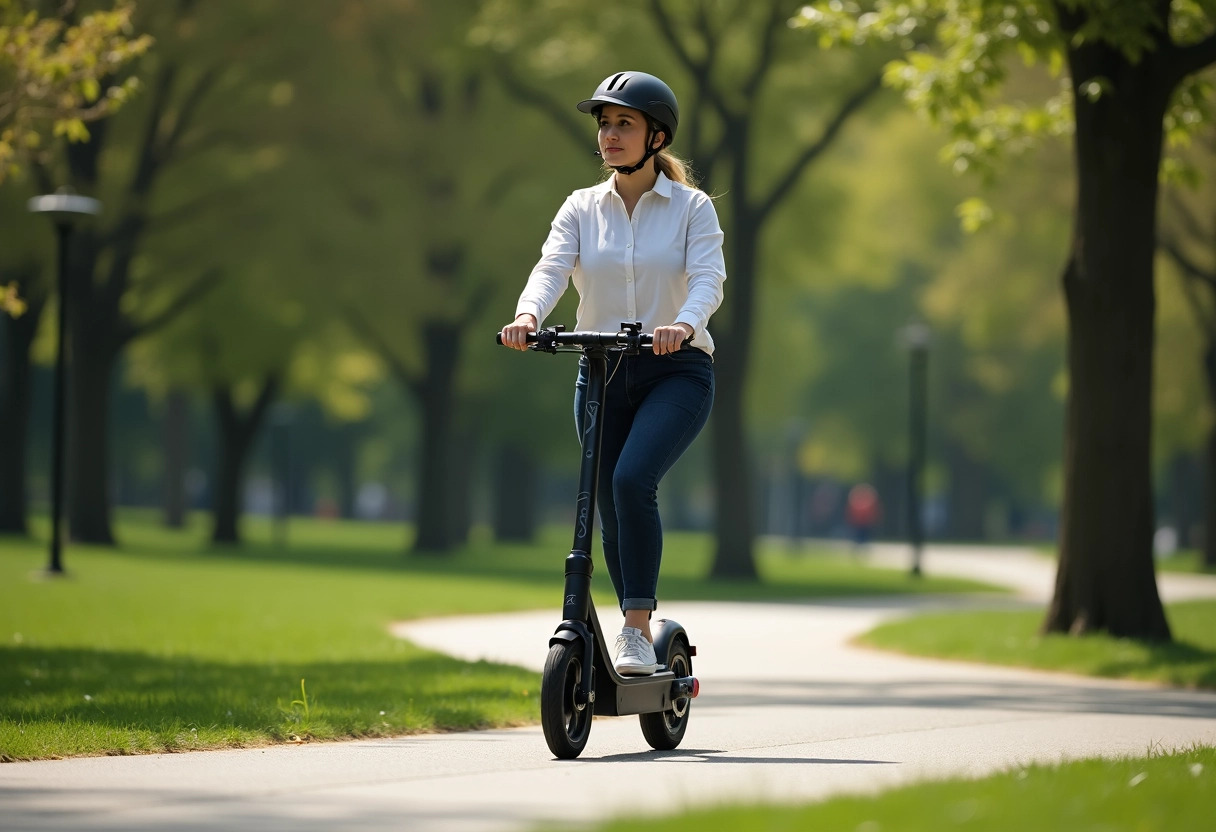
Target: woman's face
x=623 y=135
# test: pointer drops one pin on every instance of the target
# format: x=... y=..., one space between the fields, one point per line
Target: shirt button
x=630 y=245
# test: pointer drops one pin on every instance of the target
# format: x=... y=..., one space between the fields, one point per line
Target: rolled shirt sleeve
x=706 y=267
x=558 y=259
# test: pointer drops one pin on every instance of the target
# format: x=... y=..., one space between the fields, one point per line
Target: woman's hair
x=676 y=169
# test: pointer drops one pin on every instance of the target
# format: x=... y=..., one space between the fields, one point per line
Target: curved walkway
x=788 y=711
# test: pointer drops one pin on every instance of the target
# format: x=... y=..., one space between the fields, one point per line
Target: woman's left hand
x=668 y=339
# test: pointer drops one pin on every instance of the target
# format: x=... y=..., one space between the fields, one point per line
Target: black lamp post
x=64 y=209
x=915 y=337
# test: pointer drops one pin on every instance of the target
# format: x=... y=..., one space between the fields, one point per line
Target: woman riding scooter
x=643 y=245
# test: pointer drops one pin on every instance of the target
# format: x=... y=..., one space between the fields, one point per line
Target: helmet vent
x=612 y=83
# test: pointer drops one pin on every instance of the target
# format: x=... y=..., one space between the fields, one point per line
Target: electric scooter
x=579 y=679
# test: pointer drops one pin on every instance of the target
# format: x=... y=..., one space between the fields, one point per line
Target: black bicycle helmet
x=639 y=91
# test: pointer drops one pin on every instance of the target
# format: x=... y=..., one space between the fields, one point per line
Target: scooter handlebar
x=629 y=339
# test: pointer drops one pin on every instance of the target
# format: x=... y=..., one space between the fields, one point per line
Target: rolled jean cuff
x=639 y=604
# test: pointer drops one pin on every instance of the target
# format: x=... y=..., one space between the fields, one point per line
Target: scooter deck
x=617 y=695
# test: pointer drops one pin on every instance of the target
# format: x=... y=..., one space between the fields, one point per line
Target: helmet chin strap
x=650 y=151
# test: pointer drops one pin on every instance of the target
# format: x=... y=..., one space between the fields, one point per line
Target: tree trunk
x=1105 y=580
x=734 y=521
x=1209 y=504
x=968 y=495
x=345 y=470
x=177 y=451
x=236 y=434
x=1209 y=491
x=1185 y=477
x=437 y=397
x=464 y=461
x=90 y=368
x=515 y=484
x=889 y=481
x=15 y=400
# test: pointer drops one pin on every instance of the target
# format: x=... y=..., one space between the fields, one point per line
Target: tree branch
x=1187 y=60
x=363 y=327
x=385 y=58
x=786 y=182
x=700 y=69
x=536 y=99
x=1194 y=229
x=668 y=29
x=1193 y=276
x=195 y=291
x=189 y=109
x=1186 y=263
x=168 y=219
x=149 y=161
x=764 y=60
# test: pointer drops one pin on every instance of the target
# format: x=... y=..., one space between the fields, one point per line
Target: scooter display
x=579 y=678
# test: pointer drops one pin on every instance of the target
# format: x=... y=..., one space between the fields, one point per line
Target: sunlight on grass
x=1012 y=638
x=1156 y=793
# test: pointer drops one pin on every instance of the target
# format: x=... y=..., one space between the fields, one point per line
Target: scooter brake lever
x=546 y=341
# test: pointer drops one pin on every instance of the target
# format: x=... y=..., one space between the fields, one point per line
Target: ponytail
x=675 y=168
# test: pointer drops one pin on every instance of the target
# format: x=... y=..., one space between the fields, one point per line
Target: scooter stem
x=576 y=605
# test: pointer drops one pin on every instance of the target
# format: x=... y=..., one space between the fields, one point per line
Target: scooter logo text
x=584 y=508
x=593 y=409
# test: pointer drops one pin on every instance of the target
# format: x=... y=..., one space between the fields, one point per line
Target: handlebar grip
x=498 y=338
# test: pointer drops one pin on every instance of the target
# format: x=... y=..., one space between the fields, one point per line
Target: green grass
x=1156 y=793
x=169 y=644
x=1187 y=560
x=1011 y=638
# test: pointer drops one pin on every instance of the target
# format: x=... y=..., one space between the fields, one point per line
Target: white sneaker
x=634 y=654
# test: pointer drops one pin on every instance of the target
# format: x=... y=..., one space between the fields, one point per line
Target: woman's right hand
x=515 y=335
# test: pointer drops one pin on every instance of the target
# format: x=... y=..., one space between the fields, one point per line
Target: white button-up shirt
x=662 y=267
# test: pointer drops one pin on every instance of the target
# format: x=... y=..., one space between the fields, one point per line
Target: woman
x=643 y=245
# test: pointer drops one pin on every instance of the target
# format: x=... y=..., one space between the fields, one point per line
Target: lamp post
x=915 y=337
x=64 y=209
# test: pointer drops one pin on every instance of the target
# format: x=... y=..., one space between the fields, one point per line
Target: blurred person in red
x=863 y=512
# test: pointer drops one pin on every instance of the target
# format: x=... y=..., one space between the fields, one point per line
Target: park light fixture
x=64 y=209
x=915 y=339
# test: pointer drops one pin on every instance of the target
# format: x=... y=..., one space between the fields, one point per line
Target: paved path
x=788 y=711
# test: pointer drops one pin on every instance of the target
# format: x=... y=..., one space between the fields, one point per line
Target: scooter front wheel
x=566 y=720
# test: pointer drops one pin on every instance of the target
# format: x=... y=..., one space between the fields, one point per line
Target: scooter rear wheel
x=566 y=722
x=665 y=729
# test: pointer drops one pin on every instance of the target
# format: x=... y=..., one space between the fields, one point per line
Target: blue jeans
x=654 y=407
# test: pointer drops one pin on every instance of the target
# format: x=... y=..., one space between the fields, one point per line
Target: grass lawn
x=1157 y=793
x=1011 y=638
x=1187 y=560
x=167 y=644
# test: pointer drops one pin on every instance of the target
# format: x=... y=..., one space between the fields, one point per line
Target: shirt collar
x=662 y=187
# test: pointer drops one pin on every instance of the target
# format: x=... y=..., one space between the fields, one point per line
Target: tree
x=734 y=60
x=128 y=157
x=57 y=71
x=1188 y=242
x=1131 y=76
x=18 y=326
x=56 y=74
x=423 y=199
